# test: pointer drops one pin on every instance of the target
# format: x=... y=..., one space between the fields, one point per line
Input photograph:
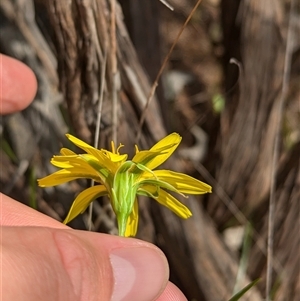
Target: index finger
x=18 y=85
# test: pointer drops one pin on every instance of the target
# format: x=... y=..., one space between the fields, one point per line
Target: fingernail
x=140 y=273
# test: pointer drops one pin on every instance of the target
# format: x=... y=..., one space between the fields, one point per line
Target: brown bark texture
x=228 y=114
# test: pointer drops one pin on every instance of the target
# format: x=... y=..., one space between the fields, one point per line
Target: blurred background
x=230 y=87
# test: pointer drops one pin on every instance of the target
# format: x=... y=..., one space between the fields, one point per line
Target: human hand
x=42 y=259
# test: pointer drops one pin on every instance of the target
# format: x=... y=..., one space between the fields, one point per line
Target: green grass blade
x=238 y=295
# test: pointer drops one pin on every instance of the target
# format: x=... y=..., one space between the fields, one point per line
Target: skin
x=42 y=259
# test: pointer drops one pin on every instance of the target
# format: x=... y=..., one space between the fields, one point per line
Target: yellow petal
x=115 y=157
x=85 y=162
x=89 y=149
x=65 y=161
x=167 y=145
x=64 y=176
x=71 y=160
x=104 y=171
x=166 y=200
x=67 y=152
x=84 y=199
x=145 y=157
x=182 y=182
x=132 y=222
x=153 y=181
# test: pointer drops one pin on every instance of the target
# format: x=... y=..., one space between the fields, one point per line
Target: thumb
x=63 y=264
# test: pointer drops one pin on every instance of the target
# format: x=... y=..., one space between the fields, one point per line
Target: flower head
x=123 y=180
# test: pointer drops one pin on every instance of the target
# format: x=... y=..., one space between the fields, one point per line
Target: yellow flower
x=123 y=180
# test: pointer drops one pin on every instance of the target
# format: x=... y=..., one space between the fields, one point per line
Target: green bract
x=123 y=180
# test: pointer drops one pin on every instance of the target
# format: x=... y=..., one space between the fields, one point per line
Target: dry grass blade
x=276 y=151
x=167 y=4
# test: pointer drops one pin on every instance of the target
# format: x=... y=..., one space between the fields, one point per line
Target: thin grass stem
x=114 y=92
x=98 y=125
x=155 y=84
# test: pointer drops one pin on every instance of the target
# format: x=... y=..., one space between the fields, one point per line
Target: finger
x=171 y=293
x=17 y=214
x=18 y=85
x=14 y=213
x=57 y=264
